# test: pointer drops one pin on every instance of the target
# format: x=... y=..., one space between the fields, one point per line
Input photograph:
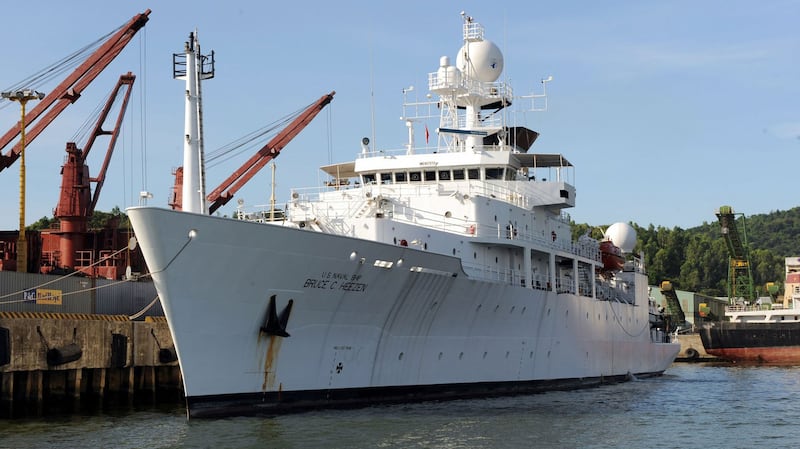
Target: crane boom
x=70 y=89
x=75 y=200
x=740 y=276
x=126 y=81
x=222 y=194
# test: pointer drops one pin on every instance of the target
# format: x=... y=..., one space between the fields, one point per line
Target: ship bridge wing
x=343 y=170
x=542 y=160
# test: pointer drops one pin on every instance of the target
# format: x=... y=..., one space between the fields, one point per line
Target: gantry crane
x=740 y=276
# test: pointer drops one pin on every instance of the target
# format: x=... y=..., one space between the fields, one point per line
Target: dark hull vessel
x=749 y=342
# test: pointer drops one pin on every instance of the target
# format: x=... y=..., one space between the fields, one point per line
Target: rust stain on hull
x=270 y=362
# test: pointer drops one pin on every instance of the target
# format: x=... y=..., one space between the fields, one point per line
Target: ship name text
x=336 y=281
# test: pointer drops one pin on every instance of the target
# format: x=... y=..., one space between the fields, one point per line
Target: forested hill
x=696 y=259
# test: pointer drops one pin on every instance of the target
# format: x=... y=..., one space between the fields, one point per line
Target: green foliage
x=43 y=223
x=116 y=218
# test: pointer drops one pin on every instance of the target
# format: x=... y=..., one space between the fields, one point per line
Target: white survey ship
x=431 y=272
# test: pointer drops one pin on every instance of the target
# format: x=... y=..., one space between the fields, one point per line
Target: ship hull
x=770 y=343
x=267 y=319
x=275 y=403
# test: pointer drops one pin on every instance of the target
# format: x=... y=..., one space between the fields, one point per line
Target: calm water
x=691 y=406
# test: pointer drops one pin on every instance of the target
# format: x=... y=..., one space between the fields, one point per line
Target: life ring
x=471 y=229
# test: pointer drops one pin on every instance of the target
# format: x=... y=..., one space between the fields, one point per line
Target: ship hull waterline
x=366 y=322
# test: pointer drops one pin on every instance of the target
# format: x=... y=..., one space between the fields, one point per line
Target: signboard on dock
x=43 y=296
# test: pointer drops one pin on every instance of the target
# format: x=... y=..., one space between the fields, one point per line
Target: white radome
x=487 y=60
x=622 y=235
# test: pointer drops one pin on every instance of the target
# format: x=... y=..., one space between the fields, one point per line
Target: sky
x=668 y=110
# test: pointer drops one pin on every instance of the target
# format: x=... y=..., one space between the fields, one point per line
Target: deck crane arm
x=740 y=277
x=74 y=199
x=222 y=194
x=70 y=89
x=124 y=81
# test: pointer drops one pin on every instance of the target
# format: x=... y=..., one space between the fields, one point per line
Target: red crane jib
x=222 y=194
x=70 y=89
x=77 y=202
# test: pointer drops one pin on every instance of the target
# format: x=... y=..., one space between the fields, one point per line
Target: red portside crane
x=70 y=89
x=77 y=202
x=222 y=194
x=45 y=111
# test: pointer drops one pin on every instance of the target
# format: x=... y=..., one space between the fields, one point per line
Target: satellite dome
x=486 y=60
x=622 y=235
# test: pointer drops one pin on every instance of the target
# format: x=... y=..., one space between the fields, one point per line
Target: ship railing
x=523 y=195
x=346 y=204
x=615 y=293
x=564 y=284
x=488 y=273
x=755 y=307
x=495 y=274
x=473 y=31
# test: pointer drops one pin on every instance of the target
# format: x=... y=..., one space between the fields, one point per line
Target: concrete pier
x=692 y=350
x=51 y=356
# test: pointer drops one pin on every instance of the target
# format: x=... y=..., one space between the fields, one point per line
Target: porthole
x=400 y=356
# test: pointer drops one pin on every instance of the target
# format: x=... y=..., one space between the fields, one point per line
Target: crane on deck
x=228 y=188
x=740 y=276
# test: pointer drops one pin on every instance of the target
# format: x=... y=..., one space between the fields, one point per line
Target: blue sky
x=668 y=110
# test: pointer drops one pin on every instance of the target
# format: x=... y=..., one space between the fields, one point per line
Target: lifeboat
x=611 y=256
